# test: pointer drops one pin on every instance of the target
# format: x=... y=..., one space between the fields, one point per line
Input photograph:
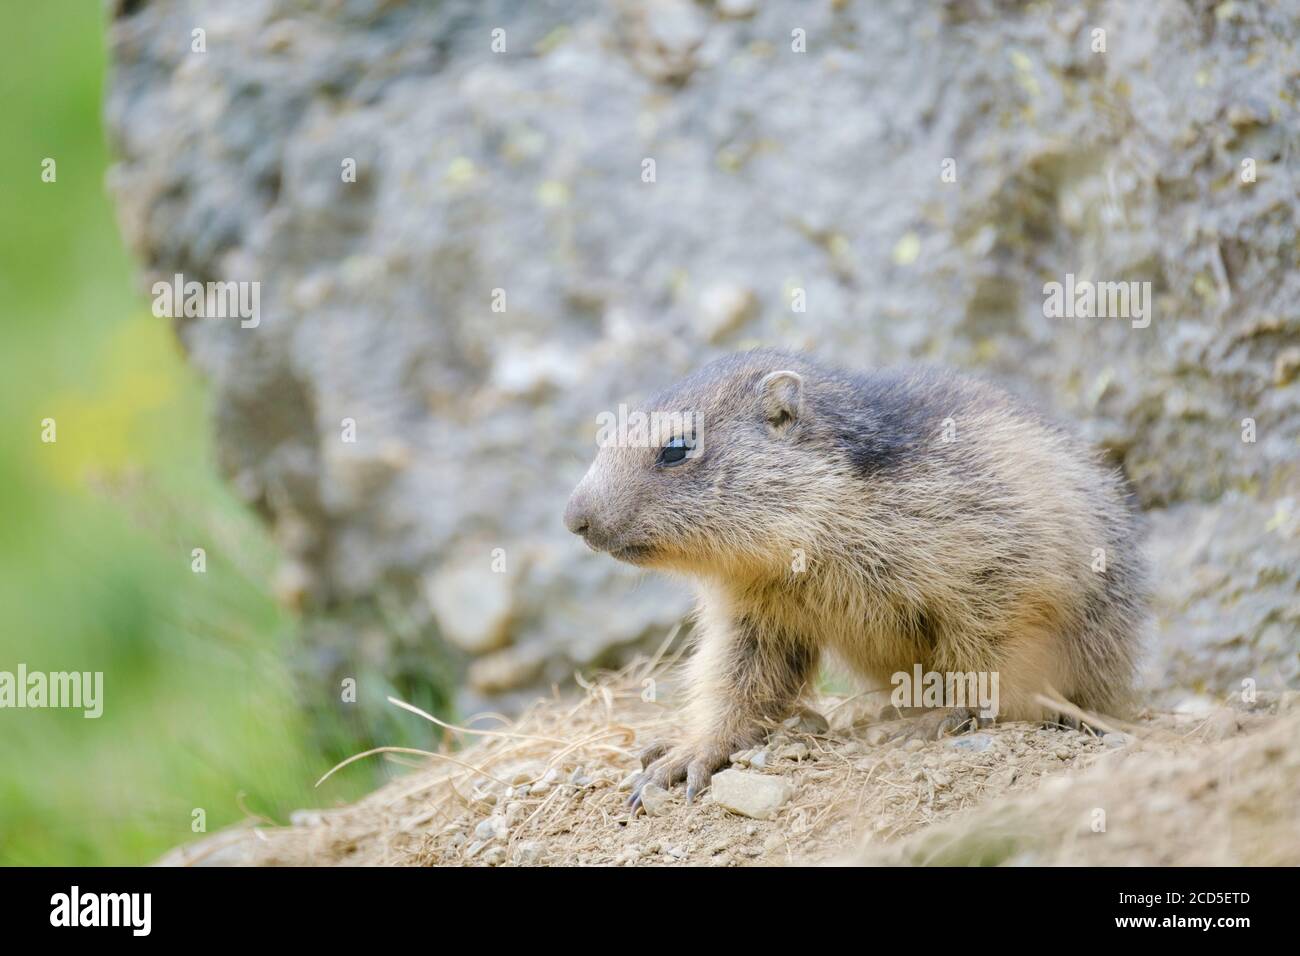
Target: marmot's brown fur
x=892 y=518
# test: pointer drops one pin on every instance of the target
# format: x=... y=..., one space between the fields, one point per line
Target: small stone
x=493 y=827
x=551 y=775
x=676 y=852
x=494 y=856
x=914 y=745
x=972 y=742
x=1115 y=739
x=473 y=605
x=793 y=752
x=1221 y=725
x=629 y=854
x=528 y=853
x=737 y=9
x=750 y=794
x=877 y=736
x=759 y=759
x=655 y=799
x=724 y=307
x=1197 y=706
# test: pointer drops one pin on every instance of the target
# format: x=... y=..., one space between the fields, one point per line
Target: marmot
x=893 y=518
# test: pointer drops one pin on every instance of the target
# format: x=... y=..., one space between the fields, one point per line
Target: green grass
x=96 y=529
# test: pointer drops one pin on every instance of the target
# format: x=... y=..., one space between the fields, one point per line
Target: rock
x=656 y=800
x=750 y=794
x=547 y=781
x=972 y=742
x=795 y=751
x=1115 y=740
x=528 y=853
x=504 y=670
x=1220 y=725
x=580 y=779
x=377 y=296
x=758 y=759
x=876 y=736
x=472 y=604
x=724 y=307
x=494 y=856
x=1197 y=706
x=629 y=854
x=492 y=828
x=737 y=9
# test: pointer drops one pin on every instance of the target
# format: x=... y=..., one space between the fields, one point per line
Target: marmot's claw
x=698 y=775
x=672 y=766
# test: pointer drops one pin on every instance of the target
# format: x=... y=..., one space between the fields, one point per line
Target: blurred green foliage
x=96 y=529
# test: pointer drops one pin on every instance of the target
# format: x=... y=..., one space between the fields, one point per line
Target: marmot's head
x=719 y=474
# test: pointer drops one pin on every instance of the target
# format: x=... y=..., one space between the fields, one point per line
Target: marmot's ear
x=781 y=399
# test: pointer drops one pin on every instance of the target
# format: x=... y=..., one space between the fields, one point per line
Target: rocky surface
x=505 y=266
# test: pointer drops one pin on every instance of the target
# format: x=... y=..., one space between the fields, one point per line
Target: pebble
x=528 y=853
x=793 y=752
x=750 y=794
x=975 y=742
x=655 y=799
x=494 y=856
x=499 y=829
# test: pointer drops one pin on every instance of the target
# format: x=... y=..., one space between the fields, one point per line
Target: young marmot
x=891 y=518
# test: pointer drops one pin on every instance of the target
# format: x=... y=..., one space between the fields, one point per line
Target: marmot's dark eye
x=675 y=451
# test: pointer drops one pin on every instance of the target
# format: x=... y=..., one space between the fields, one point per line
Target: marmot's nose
x=576 y=517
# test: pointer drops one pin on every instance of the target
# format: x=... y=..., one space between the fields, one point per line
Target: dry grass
x=551 y=788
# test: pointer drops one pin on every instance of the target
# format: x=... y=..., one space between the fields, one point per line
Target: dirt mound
x=1218 y=786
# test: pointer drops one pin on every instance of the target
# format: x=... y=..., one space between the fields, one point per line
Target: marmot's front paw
x=666 y=765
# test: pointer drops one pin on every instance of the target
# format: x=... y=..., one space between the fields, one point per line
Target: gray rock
x=750 y=794
x=521 y=171
x=491 y=828
x=472 y=604
x=529 y=853
x=656 y=800
x=795 y=751
x=974 y=742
